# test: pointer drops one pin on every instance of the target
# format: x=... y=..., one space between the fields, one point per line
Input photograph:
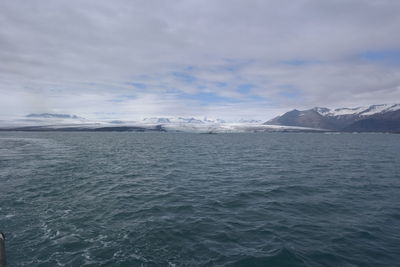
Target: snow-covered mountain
x=359 y=111
x=375 y=118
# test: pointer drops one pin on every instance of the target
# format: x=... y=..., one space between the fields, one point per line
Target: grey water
x=175 y=199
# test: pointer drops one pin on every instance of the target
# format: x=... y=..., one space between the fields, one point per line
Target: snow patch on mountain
x=359 y=111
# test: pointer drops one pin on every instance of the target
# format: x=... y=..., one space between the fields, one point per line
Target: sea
x=182 y=199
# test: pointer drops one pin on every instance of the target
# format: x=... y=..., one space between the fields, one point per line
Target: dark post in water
x=2 y=250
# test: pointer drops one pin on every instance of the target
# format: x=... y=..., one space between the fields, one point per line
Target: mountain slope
x=375 y=118
x=382 y=122
x=307 y=118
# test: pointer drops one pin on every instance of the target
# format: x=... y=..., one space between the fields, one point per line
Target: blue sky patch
x=221 y=84
x=184 y=76
x=122 y=98
x=299 y=62
x=244 y=88
x=138 y=85
x=384 y=56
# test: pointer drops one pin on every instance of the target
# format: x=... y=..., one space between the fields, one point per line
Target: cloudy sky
x=218 y=58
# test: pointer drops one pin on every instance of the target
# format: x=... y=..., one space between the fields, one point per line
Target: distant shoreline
x=160 y=128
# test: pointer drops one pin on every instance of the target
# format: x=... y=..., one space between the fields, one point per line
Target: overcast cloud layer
x=224 y=58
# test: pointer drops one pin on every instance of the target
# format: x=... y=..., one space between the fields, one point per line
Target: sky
x=229 y=59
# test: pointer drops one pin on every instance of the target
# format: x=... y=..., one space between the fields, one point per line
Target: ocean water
x=175 y=199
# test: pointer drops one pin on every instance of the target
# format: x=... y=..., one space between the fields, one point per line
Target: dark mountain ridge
x=375 y=118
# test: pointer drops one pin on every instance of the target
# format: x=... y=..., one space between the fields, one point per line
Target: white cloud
x=78 y=56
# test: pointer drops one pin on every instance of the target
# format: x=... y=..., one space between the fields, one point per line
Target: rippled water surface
x=172 y=199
